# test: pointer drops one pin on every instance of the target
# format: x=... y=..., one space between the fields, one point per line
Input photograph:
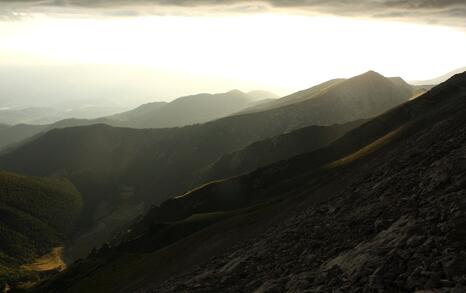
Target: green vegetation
x=36 y=215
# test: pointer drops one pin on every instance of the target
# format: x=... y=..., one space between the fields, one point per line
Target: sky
x=160 y=50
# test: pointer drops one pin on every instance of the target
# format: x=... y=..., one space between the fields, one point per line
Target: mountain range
x=180 y=112
x=102 y=160
x=380 y=209
x=183 y=207
x=180 y=152
x=205 y=107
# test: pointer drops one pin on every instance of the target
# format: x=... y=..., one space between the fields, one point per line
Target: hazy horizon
x=137 y=52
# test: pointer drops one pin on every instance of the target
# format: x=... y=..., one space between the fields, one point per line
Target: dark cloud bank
x=447 y=12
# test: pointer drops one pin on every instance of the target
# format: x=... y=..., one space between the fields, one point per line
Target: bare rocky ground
x=397 y=225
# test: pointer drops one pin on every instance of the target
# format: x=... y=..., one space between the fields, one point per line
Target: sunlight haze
x=277 y=52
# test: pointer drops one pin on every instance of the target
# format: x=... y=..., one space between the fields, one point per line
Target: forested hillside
x=37 y=214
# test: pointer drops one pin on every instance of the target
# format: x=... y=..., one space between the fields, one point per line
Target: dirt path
x=50 y=261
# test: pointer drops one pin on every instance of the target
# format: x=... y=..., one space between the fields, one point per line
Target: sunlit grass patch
x=51 y=261
x=370 y=148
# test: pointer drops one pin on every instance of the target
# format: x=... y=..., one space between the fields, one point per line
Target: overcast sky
x=185 y=47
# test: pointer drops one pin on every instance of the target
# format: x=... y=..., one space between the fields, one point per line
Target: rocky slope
x=396 y=224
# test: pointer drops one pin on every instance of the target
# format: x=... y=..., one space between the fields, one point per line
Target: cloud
x=446 y=12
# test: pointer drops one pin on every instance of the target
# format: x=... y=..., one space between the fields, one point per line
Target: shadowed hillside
x=381 y=208
x=268 y=151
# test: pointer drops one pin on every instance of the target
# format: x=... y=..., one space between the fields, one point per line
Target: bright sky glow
x=278 y=52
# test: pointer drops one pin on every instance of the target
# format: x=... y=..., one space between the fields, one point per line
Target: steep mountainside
x=382 y=209
x=37 y=214
x=339 y=94
x=295 y=97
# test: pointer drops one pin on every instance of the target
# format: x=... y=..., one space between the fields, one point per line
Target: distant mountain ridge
x=186 y=110
x=48 y=115
x=440 y=79
x=259 y=95
x=180 y=112
x=205 y=107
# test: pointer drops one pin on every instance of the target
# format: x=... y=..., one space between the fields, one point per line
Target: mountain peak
x=236 y=92
x=372 y=73
x=262 y=95
x=369 y=76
